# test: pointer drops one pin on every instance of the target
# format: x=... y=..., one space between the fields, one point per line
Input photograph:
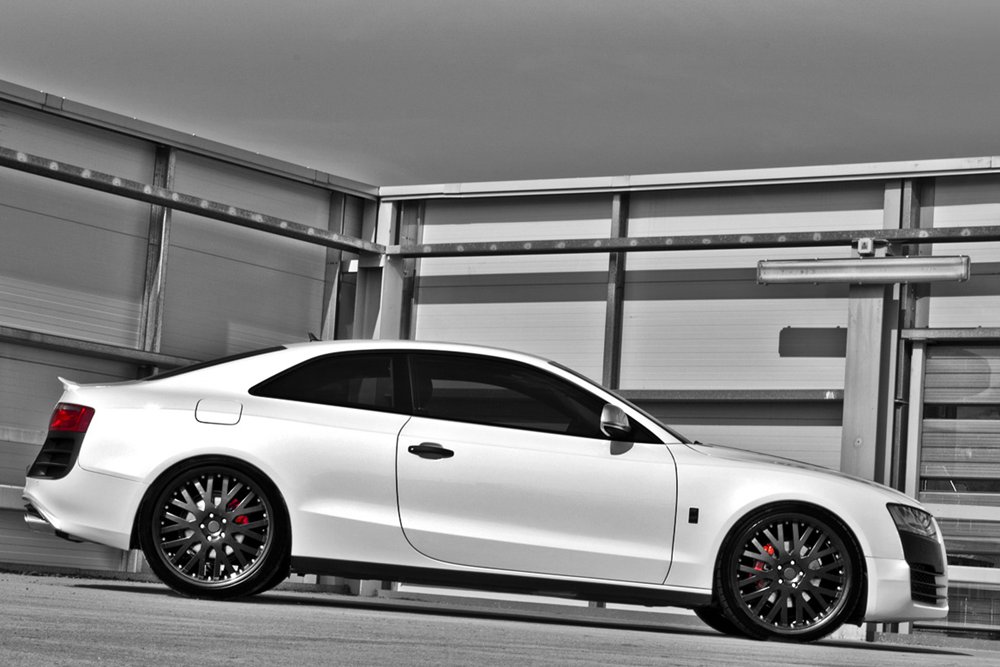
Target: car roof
x=331 y=346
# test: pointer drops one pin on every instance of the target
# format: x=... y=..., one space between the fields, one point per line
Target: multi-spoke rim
x=793 y=574
x=213 y=528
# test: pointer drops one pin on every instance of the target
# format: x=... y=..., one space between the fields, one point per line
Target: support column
x=611 y=377
x=334 y=269
x=157 y=245
x=862 y=451
x=153 y=290
x=870 y=368
x=916 y=213
x=366 y=304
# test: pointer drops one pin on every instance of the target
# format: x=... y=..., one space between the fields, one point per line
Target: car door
x=504 y=466
x=334 y=424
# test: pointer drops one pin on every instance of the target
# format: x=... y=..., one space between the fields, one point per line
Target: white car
x=467 y=466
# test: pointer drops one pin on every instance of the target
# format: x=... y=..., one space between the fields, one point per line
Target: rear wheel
x=216 y=530
x=789 y=573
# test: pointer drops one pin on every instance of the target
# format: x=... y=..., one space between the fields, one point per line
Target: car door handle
x=430 y=450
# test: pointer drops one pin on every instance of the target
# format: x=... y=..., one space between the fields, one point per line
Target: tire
x=216 y=530
x=715 y=619
x=789 y=573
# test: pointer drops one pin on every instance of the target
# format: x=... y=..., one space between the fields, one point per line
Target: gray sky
x=394 y=92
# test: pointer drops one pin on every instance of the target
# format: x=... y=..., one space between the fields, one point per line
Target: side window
x=350 y=380
x=501 y=393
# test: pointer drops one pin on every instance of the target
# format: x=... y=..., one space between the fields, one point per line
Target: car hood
x=744 y=456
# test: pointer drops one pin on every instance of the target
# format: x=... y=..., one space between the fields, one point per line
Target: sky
x=399 y=92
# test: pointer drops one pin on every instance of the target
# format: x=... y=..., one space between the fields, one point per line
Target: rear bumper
x=83 y=506
x=38 y=523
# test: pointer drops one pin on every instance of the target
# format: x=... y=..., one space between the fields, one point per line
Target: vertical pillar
x=916 y=213
x=862 y=451
x=870 y=369
x=411 y=229
x=157 y=245
x=154 y=285
x=369 y=278
x=389 y=321
x=334 y=269
x=611 y=376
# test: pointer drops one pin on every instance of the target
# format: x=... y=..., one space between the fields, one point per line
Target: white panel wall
x=516 y=219
x=549 y=305
x=726 y=344
x=231 y=289
x=71 y=259
x=959 y=202
x=699 y=320
x=568 y=332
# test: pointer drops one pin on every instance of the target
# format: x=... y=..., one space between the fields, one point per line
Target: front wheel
x=790 y=574
x=215 y=530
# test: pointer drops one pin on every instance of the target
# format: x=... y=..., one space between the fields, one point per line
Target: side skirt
x=502 y=583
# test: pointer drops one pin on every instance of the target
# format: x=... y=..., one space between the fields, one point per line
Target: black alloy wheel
x=789 y=574
x=216 y=531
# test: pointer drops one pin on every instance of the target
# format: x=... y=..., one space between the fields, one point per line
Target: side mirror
x=614 y=422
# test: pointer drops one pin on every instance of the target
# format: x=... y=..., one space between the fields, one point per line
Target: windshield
x=681 y=437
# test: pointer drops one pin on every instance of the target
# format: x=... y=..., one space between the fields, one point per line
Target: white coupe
x=466 y=466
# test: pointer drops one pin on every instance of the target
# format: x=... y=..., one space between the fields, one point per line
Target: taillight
x=71 y=417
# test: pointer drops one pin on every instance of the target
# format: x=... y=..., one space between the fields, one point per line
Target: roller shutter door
x=960 y=466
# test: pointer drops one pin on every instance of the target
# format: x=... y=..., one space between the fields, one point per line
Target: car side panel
x=527 y=501
x=335 y=467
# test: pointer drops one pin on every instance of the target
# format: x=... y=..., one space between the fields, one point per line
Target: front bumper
x=894 y=596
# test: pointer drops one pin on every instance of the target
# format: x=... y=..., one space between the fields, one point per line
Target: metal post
x=157 y=248
x=366 y=304
x=616 y=295
x=334 y=269
x=863 y=444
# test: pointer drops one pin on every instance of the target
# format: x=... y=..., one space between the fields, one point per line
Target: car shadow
x=568 y=616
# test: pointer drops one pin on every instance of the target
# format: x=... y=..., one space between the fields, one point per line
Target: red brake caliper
x=241 y=519
x=759 y=565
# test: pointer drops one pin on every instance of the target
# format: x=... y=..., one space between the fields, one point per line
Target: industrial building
x=127 y=247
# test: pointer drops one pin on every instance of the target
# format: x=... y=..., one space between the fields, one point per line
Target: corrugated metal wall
x=232 y=289
x=73 y=264
x=693 y=320
x=959 y=471
x=550 y=305
x=961 y=201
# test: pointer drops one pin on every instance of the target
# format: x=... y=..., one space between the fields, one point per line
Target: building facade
x=126 y=247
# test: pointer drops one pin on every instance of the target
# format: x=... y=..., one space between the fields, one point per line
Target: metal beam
x=123 y=187
x=971 y=334
x=734 y=395
x=90 y=349
x=704 y=242
x=54 y=105
x=697 y=180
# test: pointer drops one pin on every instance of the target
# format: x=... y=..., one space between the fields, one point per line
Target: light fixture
x=867 y=271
